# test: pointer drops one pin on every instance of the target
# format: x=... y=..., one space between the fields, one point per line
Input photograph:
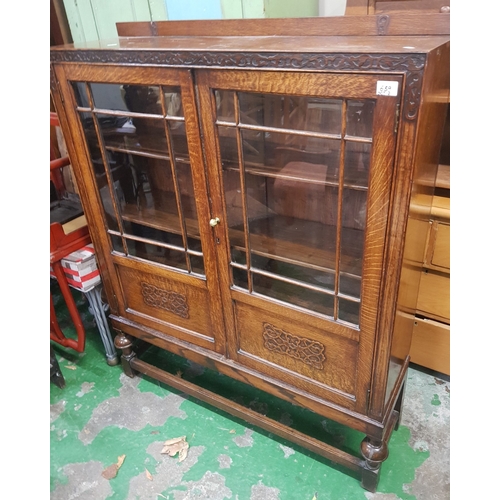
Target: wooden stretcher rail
x=250 y=416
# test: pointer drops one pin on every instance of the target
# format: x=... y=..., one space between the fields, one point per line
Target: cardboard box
x=80 y=268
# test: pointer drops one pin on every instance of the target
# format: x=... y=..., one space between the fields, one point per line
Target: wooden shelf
x=306 y=243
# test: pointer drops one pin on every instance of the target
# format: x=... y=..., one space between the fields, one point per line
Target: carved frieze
x=310 y=352
x=336 y=61
x=410 y=64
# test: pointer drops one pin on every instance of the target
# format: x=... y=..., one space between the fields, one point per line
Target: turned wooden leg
x=124 y=343
x=374 y=452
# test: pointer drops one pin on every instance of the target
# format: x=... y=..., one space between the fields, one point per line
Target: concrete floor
x=101 y=415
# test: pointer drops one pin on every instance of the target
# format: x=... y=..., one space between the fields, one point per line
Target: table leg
x=97 y=307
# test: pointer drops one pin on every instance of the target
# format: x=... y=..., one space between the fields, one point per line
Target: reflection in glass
x=109 y=96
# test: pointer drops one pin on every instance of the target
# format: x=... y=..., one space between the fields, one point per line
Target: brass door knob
x=214 y=221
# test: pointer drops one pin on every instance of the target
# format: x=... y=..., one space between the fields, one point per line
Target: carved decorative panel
x=306 y=350
x=165 y=299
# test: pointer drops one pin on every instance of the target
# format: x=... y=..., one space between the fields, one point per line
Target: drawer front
x=168 y=306
x=434 y=296
x=298 y=354
x=430 y=346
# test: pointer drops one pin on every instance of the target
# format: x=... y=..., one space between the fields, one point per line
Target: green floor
x=101 y=415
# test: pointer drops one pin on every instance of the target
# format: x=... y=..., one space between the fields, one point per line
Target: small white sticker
x=387 y=88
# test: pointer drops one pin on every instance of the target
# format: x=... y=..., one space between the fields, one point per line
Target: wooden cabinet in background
x=430 y=346
x=254 y=202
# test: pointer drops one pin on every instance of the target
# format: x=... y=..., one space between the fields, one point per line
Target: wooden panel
x=163 y=304
x=412 y=5
x=396 y=24
x=434 y=296
x=311 y=359
x=430 y=345
x=358 y=7
x=362 y=7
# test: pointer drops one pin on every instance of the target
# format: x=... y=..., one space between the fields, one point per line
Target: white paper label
x=387 y=88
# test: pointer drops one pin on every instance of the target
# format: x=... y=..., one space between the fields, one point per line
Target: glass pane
x=293 y=112
x=228 y=146
x=194 y=244
x=158 y=254
x=296 y=272
x=239 y=256
x=109 y=96
x=240 y=278
x=350 y=284
x=312 y=159
x=360 y=118
x=294 y=240
x=293 y=294
x=143 y=135
x=224 y=100
x=173 y=101
x=150 y=233
x=349 y=311
x=148 y=188
x=177 y=131
x=352 y=241
x=197 y=265
x=117 y=243
x=137 y=98
x=357 y=163
x=107 y=202
x=80 y=93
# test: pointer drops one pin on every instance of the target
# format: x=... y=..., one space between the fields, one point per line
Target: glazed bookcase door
x=140 y=149
x=302 y=164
